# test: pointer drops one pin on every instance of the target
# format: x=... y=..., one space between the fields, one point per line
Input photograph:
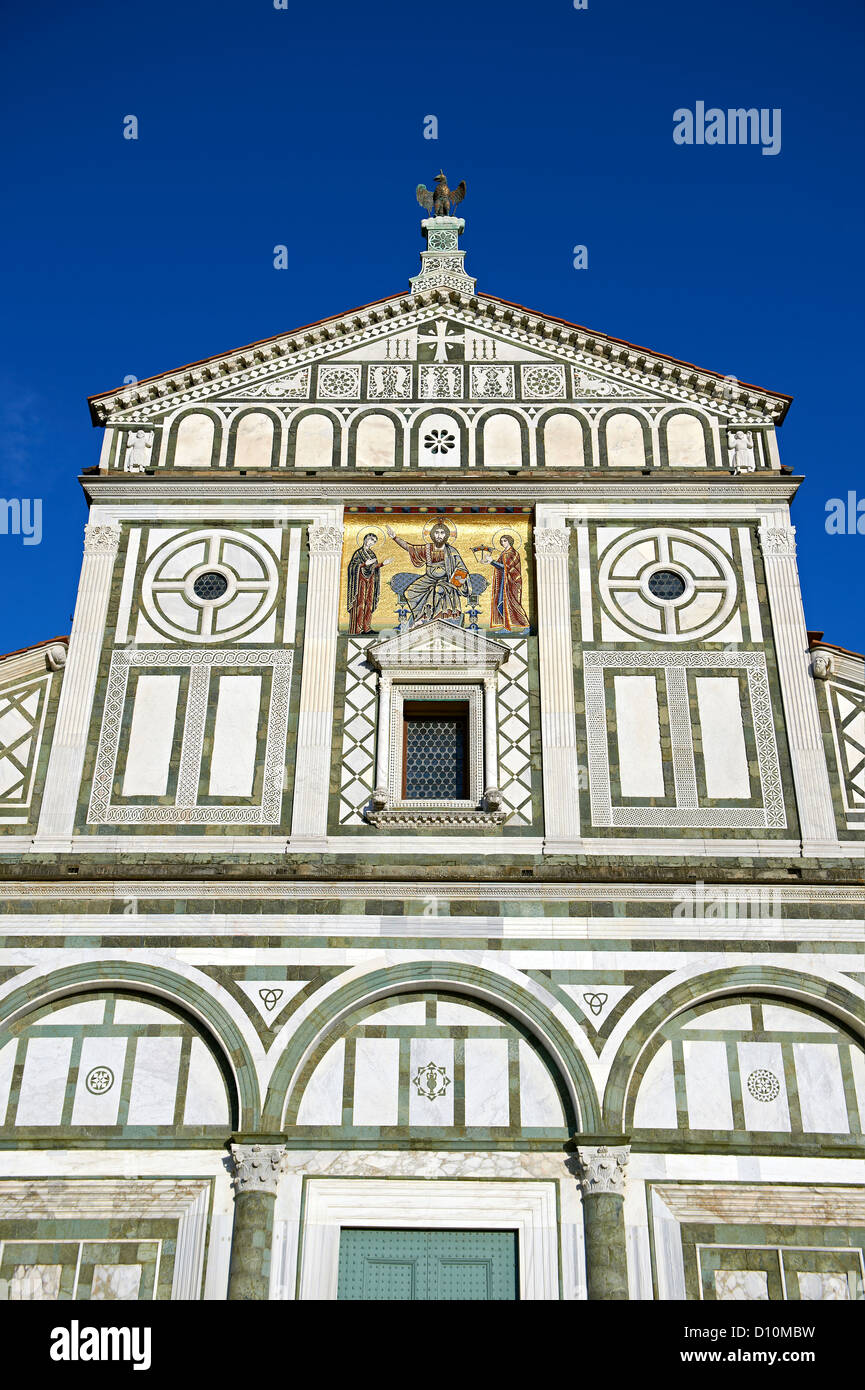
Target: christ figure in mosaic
x=506 y=608
x=363 y=585
x=439 y=591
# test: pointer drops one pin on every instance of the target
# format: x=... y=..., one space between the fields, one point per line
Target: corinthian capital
x=101 y=539
x=603 y=1169
x=325 y=540
x=551 y=540
x=777 y=540
x=257 y=1167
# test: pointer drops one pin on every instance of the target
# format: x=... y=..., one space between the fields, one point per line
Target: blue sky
x=304 y=127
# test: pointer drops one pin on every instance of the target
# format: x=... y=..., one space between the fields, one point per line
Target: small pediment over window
x=436 y=645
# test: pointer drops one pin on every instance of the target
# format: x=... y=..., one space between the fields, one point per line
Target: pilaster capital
x=101 y=538
x=257 y=1167
x=550 y=541
x=777 y=541
x=603 y=1169
x=325 y=539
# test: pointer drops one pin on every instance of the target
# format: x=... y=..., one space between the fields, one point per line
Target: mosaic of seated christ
x=471 y=571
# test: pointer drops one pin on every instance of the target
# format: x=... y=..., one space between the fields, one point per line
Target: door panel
x=426 y=1265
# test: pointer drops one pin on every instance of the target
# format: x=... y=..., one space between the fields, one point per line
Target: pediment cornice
x=436 y=645
x=629 y=370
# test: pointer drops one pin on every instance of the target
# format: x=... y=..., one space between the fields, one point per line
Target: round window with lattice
x=439 y=441
x=667 y=584
x=210 y=585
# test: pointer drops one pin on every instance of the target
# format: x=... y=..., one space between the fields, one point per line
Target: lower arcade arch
x=439 y=1060
x=762 y=1053
x=123 y=1059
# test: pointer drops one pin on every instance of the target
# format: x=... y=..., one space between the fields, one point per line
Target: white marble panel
x=422 y=1110
x=321 y=1103
x=502 y=441
x=7 y=1065
x=821 y=1088
x=116 y=1282
x=730 y=1018
x=486 y=1082
x=313 y=445
x=254 y=441
x=235 y=736
x=402 y=1015
x=707 y=1085
x=857 y=1060
x=625 y=442
x=656 y=1098
x=769 y=1114
x=725 y=758
x=742 y=1285
x=206 y=1101
x=154 y=1081
x=99 y=1106
x=686 y=445
x=461 y=1016
x=151 y=736
x=376 y=1081
x=815 y=1287
x=93 y=1011
x=563 y=441
x=43 y=1084
x=641 y=768
x=540 y=1106
x=375 y=442
x=35 y=1282
x=194 y=446
x=134 y=1011
x=777 y=1019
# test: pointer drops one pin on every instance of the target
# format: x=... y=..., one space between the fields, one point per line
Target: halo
x=440 y=521
x=368 y=530
x=507 y=531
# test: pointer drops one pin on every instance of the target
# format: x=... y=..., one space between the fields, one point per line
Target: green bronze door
x=466 y=1265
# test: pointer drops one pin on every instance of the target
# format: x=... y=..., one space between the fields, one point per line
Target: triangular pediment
x=440 y=345
x=435 y=645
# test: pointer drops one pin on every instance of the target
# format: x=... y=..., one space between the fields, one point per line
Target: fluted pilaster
x=63 y=778
x=315 y=719
x=802 y=717
x=558 y=716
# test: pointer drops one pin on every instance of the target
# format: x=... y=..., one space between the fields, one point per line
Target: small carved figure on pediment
x=741 y=447
x=138 y=446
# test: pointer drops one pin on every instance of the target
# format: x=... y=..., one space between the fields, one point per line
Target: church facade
x=432 y=866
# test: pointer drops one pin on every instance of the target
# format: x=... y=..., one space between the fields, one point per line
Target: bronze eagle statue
x=441 y=199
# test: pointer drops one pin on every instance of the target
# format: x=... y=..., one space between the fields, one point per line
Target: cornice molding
x=460 y=488
x=685 y=894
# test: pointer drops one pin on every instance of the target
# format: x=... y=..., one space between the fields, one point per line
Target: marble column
x=315 y=717
x=65 y=765
x=801 y=714
x=256 y=1179
x=602 y=1181
x=558 y=714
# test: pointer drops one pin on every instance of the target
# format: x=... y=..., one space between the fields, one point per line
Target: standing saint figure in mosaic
x=506 y=608
x=439 y=591
x=363 y=585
